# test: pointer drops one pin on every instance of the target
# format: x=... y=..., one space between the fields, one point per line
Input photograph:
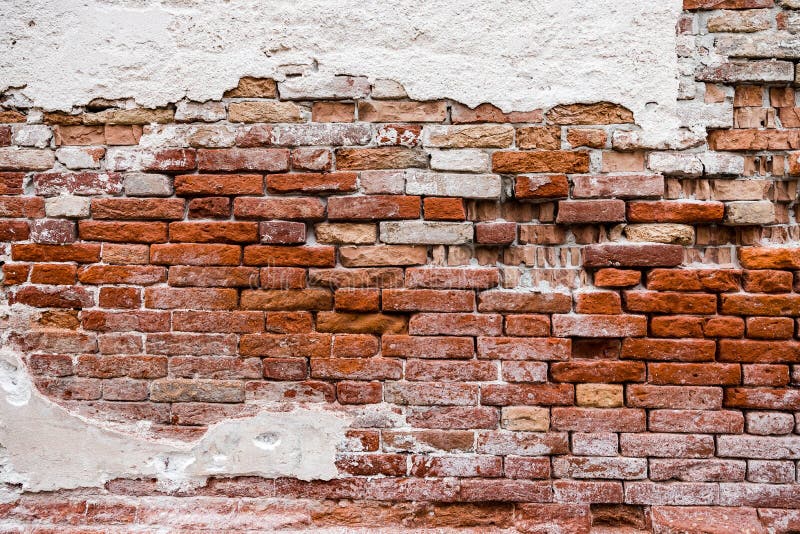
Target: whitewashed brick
x=426 y=233
x=460 y=160
x=199 y=111
x=454 y=185
x=147 y=185
x=749 y=213
x=67 y=206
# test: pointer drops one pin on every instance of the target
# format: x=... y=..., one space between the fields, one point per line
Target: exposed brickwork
x=573 y=328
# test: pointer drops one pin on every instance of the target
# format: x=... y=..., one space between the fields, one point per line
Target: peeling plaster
x=44 y=447
x=516 y=54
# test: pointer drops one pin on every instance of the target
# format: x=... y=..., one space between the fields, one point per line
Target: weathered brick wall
x=535 y=320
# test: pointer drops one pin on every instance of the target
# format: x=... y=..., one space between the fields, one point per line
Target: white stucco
x=516 y=54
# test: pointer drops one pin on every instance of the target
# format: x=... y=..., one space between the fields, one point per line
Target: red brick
x=357 y=300
x=407 y=135
x=428 y=300
x=694 y=374
x=402 y=111
x=590 y=211
x=541 y=186
x=137 y=208
x=669 y=211
x=724 y=327
x=770 y=327
x=762 y=398
x=456 y=466
x=765 y=375
x=21 y=207
x=214 y=232
x=356 y=368
x=287 y=345
x=311 y=159
x=359 y=392
x=122 y=274
x=674 y=397
x=123 y=232
x=120 y=297
x=629 y=255
x=132 y=366
x=744 y=139
x=526 y=325
x=727 y=4
x=652 y=302
x=696 y=421
x=219 y=184
x=333 y=112
x=693 y=280
x=767 y=281
x=450 y=371
x=287 y=300
x=427 y=347
x=685 y=519
x=183 y=276
x=276 y=256
x=354 y=159
x=688 y=350
x=243 y=159
x=598 y=302
x=289 y=322
x=14 y=230
x=285 y=368
x=374 y=207
x=455 y=324
x=53 y=231
x=167 y=298
x=462 y=114
x=312 y=183
x=527 y=394
x=50 y=184
x=497 y=233
x=748 y=351
x=431 y=393
x=598 y=326
x=557 y=161
x=53 y=297
x=226 y=322
x=142 y=321
x=617 y=278
x=210 y=208
x=444 y=209
x=282 y=278
x=769 y=258
x=195 y=254
x=507 y=301
x=598 y=371
x=11 y=183
x=667 y=445
x=677 y=326
x=598 y=420
x=58 y=274
x=355 y=346
x=516 y=348
x=454 y=417
x=278 y=208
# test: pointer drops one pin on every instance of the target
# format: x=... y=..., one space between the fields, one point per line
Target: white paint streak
x=516 y=54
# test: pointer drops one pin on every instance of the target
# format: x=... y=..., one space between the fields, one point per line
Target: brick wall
x=554 y=322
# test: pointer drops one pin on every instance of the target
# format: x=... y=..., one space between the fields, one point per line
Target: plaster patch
x=44 y=447
x=516 y=54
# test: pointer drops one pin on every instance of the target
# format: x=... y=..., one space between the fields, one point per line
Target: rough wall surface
x=320 y=304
